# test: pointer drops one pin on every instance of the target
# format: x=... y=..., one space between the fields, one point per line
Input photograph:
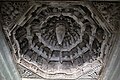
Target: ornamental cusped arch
x=61 y=40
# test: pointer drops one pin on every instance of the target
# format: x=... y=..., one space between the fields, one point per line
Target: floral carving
x=59 y=42
x=110 y=11
x=11 y=12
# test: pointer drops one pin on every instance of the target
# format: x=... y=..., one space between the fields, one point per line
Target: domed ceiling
x=56 y=40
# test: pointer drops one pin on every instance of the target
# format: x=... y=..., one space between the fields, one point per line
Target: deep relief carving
x=110 y=11
x=25 y=73
x=60 y=42
x=11 y=12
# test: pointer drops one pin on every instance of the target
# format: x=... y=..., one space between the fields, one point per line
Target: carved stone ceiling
x=59 y=40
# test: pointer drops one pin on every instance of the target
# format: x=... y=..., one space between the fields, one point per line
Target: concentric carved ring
x=60 y=35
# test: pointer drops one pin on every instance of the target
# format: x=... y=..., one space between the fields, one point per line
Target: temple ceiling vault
x=60 y=40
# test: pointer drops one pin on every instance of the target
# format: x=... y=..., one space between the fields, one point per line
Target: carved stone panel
x=110 y=11
x=26 y=73
x=11 y=12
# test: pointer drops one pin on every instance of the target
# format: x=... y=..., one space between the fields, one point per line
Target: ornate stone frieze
x=26 y=73
x=110 y=11
x=11 y=11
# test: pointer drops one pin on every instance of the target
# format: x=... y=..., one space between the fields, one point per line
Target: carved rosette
x=60 y=41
